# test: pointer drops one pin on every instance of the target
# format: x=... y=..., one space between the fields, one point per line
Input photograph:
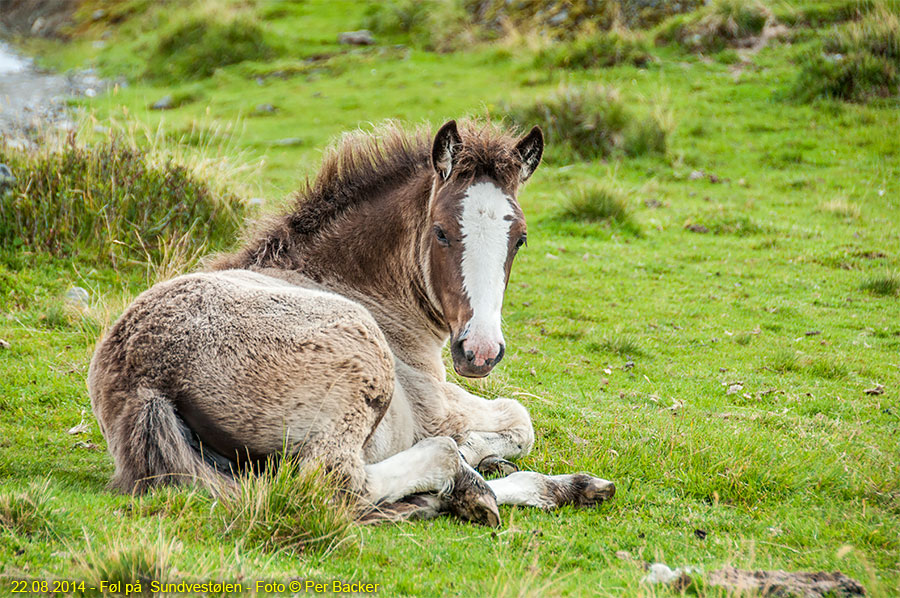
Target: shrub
x=439 y=25
x=595 y=51
x=197 y=47
x=111 y=201
x=589 y=122
x=289 y=506
x=602 y=203
x=857 y=61
x=718 y=25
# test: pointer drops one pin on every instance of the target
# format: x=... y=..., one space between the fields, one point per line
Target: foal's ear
x=530 y=150
x=446 y=142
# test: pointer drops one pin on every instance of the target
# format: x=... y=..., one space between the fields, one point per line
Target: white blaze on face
x=485 y=225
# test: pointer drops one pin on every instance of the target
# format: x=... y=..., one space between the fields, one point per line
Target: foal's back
x=236 y=362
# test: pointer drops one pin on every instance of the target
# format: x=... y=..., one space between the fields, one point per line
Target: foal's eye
x=441 y=237
x=523 y=240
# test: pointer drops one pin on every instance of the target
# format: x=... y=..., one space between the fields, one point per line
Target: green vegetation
x=589 y=121
x=856 y=62
x=600 y=50
x=289 y=506
x=733 y=368
x=719 y=24
x=111 y=200
x=197 y=47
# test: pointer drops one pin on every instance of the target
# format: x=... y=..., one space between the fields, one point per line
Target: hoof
x=473 y=500
x=590 y=491
x=496 y=467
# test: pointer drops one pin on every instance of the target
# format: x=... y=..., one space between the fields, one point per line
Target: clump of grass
x=129 y=560
x=621 y=344
x=590 y=122
x=596 y=51
x=289 y=506
x=28 y=511
x=842 y=209
x=720 y=24
x=885 y=285
x=856 y=62
x=602 y=203
x=111 y=201
x=785 y=361
x=438 y=25
x=195 y=48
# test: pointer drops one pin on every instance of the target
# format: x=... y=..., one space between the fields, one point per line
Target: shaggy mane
x=362 y=165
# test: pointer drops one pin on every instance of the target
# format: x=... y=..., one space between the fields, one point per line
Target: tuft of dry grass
x=841 y=208
x=129 y=560
x=289 y=506
x=28 y=511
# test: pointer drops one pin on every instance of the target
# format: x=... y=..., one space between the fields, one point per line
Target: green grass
x=624 y=348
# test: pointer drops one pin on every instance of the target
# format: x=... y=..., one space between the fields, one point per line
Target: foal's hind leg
x=432 y=465
x=532 y=489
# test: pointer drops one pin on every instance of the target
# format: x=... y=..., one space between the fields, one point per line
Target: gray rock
x=363 y=37
x=78 y=296
x=265 y=109
x=167 y=102
x=6 y=177
x=98 y=14
x=288 y=142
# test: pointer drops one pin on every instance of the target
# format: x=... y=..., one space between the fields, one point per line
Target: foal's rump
x=235 y=363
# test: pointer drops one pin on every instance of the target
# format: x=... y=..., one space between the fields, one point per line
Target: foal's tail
x=152 y=446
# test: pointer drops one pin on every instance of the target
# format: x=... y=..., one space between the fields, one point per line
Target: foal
x=327 y=330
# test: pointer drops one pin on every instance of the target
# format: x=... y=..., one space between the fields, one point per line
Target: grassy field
x=699 y=324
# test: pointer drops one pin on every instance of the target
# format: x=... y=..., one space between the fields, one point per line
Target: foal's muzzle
x=464 y=360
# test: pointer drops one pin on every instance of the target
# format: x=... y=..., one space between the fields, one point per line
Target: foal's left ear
x=446 y=142
x=530 y=150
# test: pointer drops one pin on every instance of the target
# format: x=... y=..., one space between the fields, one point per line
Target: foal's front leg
x=489 y=431
x=501 y=429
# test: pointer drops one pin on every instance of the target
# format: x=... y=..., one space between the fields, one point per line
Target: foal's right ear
x=446 y=142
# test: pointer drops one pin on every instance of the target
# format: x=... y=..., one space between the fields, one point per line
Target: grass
x=111 y=201
x=886 y=285
x=588 y=122
x=27 y=512
x=856 y=62
x=291 y=507
x=795 y=470
x=720 y=24
x=596 y=51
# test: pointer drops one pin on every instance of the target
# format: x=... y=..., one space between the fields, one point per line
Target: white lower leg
x=532 y=489
x=429 y=466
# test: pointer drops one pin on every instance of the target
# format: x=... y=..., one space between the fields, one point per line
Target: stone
x=167 y=102
x=363 y=37
x=78 y=296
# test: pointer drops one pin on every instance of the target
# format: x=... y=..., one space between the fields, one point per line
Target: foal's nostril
x=470 y=355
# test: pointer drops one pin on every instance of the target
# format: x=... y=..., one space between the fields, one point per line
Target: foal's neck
x=374 y=254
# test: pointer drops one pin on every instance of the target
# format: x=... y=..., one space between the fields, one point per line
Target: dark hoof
x=589 y=491
x=496 y=467
x=473 y=500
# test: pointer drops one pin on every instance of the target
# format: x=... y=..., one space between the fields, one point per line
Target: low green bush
x=589 y=122
x=855 y=62
x=719 y=25
x=111 y=202
x=595 y=51
x=197 y=47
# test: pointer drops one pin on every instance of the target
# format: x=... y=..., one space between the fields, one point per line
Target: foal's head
x=477 y=229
